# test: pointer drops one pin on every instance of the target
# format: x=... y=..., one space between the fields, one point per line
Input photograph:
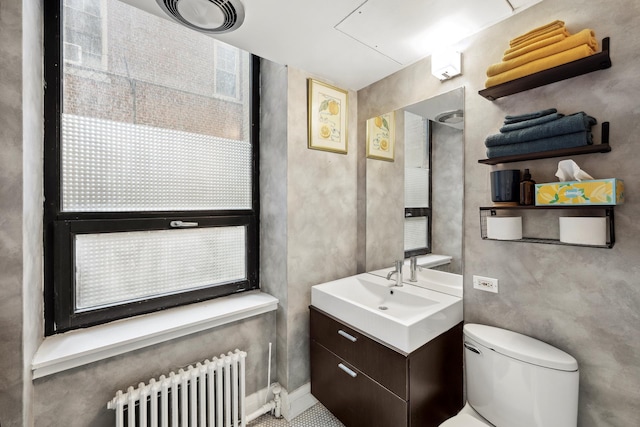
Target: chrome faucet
x=397 y=272
x=414 y=268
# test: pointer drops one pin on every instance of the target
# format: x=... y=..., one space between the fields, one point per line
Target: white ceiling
x=354 y=43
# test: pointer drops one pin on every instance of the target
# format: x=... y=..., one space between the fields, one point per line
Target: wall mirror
x=415 y=204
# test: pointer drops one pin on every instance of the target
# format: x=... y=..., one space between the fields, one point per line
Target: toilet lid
x=463 y=420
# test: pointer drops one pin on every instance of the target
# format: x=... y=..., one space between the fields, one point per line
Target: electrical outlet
x=485 y=284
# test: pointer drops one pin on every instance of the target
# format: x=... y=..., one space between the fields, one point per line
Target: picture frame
x=327 y=117
x=381 y=137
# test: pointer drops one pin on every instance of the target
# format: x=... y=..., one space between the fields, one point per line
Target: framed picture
x=381 y=136
x=327 y=117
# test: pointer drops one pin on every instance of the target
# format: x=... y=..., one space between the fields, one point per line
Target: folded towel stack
x=540 y=131
x=540 y=49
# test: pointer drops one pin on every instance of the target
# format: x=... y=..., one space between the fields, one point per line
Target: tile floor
x=316 y=416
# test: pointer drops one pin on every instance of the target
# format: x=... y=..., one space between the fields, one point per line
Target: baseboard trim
x=298 y=401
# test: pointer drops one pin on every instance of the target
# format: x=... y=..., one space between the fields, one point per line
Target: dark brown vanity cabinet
x=366 y=383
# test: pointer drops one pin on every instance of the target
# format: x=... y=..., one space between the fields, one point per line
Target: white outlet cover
x=487 y=284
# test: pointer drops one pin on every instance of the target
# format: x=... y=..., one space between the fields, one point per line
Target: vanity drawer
x=383 y=364
x=351 y=396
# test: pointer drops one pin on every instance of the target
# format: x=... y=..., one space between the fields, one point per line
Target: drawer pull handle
x=347 y=336
x=351 y=373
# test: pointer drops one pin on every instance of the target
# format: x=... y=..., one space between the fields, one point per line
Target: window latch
x=182 y=224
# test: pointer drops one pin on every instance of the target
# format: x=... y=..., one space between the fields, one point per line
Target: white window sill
x=80 y=347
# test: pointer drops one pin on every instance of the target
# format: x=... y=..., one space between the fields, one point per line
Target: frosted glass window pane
x=416 y=173
x=415 y=233
x=416 y=188
x=114 y=268
x=416 y=140
x=110 y=166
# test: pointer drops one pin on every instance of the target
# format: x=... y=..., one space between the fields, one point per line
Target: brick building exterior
x=125 y=65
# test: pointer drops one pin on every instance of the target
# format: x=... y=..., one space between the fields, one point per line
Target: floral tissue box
x=592 y=192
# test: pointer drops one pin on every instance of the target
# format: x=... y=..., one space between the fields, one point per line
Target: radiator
x=210 y=394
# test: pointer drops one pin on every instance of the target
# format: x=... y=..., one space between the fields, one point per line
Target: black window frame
x=423 y=212
x=60 y=227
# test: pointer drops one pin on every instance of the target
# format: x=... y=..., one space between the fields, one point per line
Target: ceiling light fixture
x=207 y=16
x=446 y=64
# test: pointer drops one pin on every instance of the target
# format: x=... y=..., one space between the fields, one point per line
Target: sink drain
x=383 y=307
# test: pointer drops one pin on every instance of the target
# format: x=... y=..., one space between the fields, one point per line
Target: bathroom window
x=84 y=31
x=226 y=78
x=150 y=175
x=417 y=187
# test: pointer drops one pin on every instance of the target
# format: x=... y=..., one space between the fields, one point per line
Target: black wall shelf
x=603 y=147
x=595 y=62
x=486 y=211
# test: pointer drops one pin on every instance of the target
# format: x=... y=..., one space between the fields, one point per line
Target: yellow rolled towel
x=536 y=32
x=541 y=64
x=536 y=43
x=584 y=37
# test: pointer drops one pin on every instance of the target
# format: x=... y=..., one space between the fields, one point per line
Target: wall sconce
x=446 y=64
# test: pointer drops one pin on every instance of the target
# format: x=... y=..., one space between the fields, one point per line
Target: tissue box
x=592 y=192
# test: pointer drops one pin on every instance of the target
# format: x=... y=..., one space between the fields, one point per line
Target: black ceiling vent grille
x=231 y=13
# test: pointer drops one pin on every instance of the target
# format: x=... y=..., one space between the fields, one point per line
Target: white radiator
x=211 y=394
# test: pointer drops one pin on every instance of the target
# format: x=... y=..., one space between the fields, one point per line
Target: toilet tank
x=516 y=380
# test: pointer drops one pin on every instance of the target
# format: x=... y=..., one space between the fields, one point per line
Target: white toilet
x=515 y=380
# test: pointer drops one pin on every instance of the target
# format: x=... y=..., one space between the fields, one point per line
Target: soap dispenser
x=527 y=189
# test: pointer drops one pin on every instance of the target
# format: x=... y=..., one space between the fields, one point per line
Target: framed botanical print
x=327 y=117
x=381 y=137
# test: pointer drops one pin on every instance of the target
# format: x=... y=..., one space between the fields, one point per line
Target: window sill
x=60 y=352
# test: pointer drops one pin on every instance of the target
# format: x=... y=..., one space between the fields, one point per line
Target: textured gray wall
x=33 y=197
x=582 y=300
x=322 y=222
x=273 y=197
x=11 y=209
x=447 y=156
x=308 y=220
x=385 y=204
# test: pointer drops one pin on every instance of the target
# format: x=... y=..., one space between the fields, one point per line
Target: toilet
x=515 y=380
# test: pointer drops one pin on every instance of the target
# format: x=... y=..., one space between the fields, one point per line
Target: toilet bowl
x=516 y=380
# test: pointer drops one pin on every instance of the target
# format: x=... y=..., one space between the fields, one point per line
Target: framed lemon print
x=381 y=137
x=327 y=117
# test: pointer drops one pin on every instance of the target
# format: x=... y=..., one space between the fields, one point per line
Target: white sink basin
x=404 y=317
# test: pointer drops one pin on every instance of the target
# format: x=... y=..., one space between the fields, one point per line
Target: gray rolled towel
x=569 y=124
x=521 y=117
x=571 y=140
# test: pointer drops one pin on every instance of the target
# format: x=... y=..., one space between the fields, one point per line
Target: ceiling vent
x=207 y=16
x=450 y=117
